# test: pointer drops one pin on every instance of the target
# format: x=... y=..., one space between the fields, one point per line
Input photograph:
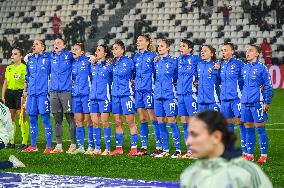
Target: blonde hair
x=148 y=38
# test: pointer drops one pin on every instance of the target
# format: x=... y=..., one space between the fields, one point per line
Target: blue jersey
x=61 y=70
x=123 y=70
x=144 y=69
x=165 y=78
x=231 y=79
x=101 y=81
x=38 y=72
x=81 y=76
x=187 y=74
x=208 y=82
x=255 y=76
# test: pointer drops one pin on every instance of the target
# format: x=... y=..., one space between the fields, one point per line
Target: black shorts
x=13 y=99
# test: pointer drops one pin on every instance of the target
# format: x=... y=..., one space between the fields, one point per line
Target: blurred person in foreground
x=219 y=164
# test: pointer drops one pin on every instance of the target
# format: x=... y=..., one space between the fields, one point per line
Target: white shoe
x=71 y=149
x=164 y=154
x=106 y=152
x=89 y=151
x=79 y=150
x=16 y=162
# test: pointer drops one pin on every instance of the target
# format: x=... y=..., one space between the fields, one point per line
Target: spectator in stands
x=67 y=35
x=138 y=25
x=198 y=4
x=266 y=51
x=263 y=8
x=74 y=30
x=226 y=12
x=56 y=22
x=16 y=43
x=245 y=4
x=82 y=28
x=94 y=16
x=113 y=3
x=263 y=25
x=279 y=13
x=6 y=48
x=255 y=15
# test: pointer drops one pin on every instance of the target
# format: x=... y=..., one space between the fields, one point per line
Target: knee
x=118 y=121
x=172 y=119
x=142 y=119
x=105 y=123
x=96 y=123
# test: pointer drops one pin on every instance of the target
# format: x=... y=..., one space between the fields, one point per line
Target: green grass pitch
x=143 y=167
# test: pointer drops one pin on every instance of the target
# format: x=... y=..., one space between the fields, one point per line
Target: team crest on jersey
x=148 y=59
x=189 y=61
x=17 y=76
x=124 y=64
x=83 y=63
x=233 y=66
x=54 y=62
x=43 y=61
x=66 y=57
x=210 y=70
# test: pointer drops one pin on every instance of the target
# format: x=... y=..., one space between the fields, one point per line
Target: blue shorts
x=100 y=106
x=187 y=105
x=123 y=105
x=37 y=105
x=208 y=106
x=231 y=108
x=144 y=99
x=165 y=107
x=80 y=104
x=253 y=113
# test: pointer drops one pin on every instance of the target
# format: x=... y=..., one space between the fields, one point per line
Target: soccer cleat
x=262 y=159
x=143 y=151
x=30 y=149
x=16 y=162
x=133 y=152
x=57 y=149
x=163 y=154
x=187 y=155
x=79 y=150
x=47 y=150
x=157 y=152
x=10 y=146
x=96 y=152
x=23 y=146
x=244 y=155
x=176 y=155
x=117 y=151
x=250 y=157
x=89 y=151
x=71 y=149
x=106 y=152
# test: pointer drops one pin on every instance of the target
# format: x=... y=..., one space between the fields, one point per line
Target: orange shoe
x=262 y=159
x=96 y=152
x=30 y=149
x=117 y=151
x=47 y=150
x=250 y=157
x=244 y=155
x=133 y=152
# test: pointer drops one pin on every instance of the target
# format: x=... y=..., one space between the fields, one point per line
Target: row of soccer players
x=190 y=73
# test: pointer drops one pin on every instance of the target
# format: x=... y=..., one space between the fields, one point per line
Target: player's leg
x=105 y=117
x=184 y=116
x=86 y=110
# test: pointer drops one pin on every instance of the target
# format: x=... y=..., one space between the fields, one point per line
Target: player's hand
x=24 y=94
x=156 y=59
x=3 y=100
x=132 y=82
x=217 y=65
x=265 y=107
x=196 y=83
x=93 y=59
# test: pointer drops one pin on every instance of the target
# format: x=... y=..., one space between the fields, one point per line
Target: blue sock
x=80 y=135
x=97 y=137
x=48 y=129
x=33 y=129
x=164 y=136
x=157 y=134
x=144 y=131
x=243 y=137
x=107 y=135
x=90 y=136
x=231 y=127
x=263 y=139
x=119 y=139
x=250 y=138
x=176 y=135
x=185 y=127
x=134 y=140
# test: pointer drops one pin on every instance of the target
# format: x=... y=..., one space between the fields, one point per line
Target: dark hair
x=215 y=121
x=60 y=38
x=212 y=49
x=148 y=38
x=167 y=41
x=121 y=44
x=42 y=43
x=21 y=51
x=81 y=45
x=232 y=46
x=189 y=43
x=257 y=47
x=105 y=47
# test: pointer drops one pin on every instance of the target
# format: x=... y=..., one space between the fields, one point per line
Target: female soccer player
x=218 y=166
x=144 y=68
x=208 y=80
x=12 y=92
x=38 y=71
x=186 y=88
x=80 y=97
x=122 y=98
x=165 y=99
x=256 y=97
x=100 y=101
x=232 y=84
x=60 y=93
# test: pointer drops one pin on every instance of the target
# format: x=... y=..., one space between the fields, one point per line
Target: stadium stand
x=175 y=19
